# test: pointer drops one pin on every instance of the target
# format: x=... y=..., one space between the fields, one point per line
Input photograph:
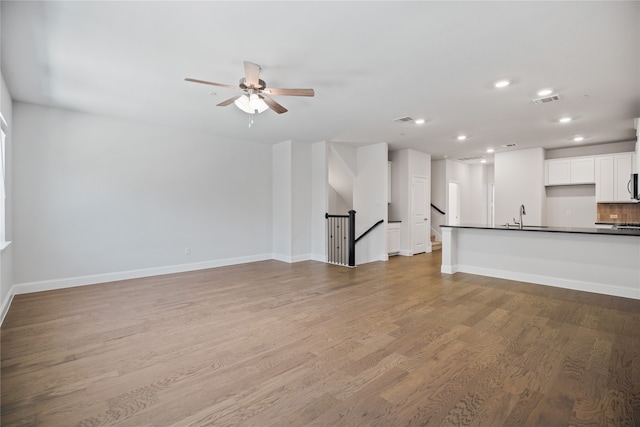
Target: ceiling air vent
x=509 y=145
x=546 y=99
x=467 y=159
x=405 y=119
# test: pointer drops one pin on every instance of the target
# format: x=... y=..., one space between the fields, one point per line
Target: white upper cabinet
x=613 y=173
x=557 y=172
x=582 y=170
x=604 y=178
x=576 y=170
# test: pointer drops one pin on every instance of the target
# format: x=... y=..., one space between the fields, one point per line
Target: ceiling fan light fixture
x=257 y=104
x=251 y=104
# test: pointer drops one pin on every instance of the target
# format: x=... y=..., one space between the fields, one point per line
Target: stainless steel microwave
x=632 y=186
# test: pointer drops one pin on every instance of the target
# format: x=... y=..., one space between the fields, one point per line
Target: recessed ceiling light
x=502 y=83
x=419 y=121
x=545 y=92
x=490 y=150
x=566 y=119
x=578 y=138
x=483 y=161
x=462 y=137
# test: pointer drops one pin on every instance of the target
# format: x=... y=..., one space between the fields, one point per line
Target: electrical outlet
x=613 y=216
x=187 y=251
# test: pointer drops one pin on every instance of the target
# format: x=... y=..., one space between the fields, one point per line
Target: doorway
x=420 y=202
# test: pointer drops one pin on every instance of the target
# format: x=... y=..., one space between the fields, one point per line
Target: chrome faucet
x=519 y=224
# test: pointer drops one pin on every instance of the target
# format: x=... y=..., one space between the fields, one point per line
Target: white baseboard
x=576 y=285
x=69 y=282
x=6 y=304
x=291 y=259
x=405 y=252
x=448 y=269
x=320 y=258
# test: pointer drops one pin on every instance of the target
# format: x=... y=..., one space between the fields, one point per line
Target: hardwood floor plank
x=269 y=343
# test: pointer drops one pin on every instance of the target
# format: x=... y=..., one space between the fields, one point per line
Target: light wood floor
x=269 y=343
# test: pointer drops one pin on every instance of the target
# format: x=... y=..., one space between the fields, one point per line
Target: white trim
x=448 y=269
x=320 y=258
x=4 y=245
x=70 y=282
x=6 y=304
x=291 y=259
x=576 y=285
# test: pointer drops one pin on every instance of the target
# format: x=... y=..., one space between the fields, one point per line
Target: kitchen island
x=605 y=261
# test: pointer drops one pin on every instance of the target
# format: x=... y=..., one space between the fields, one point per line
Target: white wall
x=96 y=195
x=459 y=172
x=519 y=179
x=319 y=200
x=591 y=150
x=438 y=195
x=370 y=201
x=6 y=256
x=281 y=200
x=342 y=172
x=301 y=201
x=337 y=205
x=478 y=194
x=571 y=206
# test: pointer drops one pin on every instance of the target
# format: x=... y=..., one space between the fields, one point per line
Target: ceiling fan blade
x=228 y=101
x=273 y=105
x=251 y=74
x=288 y=92
x=211 y=83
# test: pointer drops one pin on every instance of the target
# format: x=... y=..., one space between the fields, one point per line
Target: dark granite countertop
x=545 y=229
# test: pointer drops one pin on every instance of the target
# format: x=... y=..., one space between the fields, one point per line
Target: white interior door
x=420 y=201
x=454 y=203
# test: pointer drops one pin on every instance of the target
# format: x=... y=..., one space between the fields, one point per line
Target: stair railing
x=341 y=239
x=437 y=209
x=369 y=229
x=435 y=231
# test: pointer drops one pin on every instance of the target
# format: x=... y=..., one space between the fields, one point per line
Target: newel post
x=352 y=238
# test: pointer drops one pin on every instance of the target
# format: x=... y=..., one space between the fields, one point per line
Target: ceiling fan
x=256 y=94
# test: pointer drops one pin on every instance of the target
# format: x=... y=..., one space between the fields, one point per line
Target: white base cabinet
x=393 y=238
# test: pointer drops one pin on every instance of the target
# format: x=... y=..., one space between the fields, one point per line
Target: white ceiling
x=369 y=63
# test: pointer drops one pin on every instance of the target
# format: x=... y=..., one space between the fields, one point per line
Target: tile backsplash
x=619 y=212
